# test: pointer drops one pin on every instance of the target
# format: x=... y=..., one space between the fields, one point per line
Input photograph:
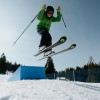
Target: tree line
x=88 y=73
x=6 y=66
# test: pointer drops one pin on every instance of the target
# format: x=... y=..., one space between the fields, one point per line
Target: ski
x=59 y=42
x=67 y=49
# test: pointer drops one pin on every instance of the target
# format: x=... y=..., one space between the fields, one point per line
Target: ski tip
x=63 y=39
x=73 y=46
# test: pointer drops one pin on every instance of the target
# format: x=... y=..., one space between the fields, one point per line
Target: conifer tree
x=3 y=64
x=91 y=70
x=50 y=66
x=6 y=65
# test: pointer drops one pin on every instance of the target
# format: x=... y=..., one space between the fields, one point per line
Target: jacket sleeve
x=58 y=18
x=41 y=14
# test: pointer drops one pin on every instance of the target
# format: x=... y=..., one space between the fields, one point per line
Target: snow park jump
x=28 y=72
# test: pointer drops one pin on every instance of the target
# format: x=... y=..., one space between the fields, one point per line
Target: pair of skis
x=59 y=42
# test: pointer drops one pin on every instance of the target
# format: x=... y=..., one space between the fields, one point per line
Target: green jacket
x=45 y=22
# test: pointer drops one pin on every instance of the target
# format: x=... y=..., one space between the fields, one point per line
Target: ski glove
x=44 y=7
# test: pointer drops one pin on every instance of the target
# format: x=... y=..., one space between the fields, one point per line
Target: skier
x=46 y=17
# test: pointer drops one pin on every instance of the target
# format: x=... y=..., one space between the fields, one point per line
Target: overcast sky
x=82 y=18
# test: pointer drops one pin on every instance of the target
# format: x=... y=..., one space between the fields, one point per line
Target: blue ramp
x=28 y=72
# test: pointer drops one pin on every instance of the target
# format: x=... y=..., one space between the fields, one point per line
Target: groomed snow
x=47 y=90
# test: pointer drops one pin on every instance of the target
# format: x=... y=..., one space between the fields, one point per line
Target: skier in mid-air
x=46 y=17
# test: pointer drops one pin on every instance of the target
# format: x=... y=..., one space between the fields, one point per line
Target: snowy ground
x=47 y=90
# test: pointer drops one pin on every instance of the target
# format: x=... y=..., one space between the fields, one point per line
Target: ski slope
x=47 y=90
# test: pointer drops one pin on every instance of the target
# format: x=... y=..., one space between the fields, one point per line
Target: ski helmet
x=50 y=9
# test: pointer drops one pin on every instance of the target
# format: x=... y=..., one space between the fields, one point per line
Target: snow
x=47 y=90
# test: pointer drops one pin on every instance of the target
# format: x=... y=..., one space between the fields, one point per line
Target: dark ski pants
x=46 y=39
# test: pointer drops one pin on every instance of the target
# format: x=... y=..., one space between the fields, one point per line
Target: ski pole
x=25 y=29
x=67 y=29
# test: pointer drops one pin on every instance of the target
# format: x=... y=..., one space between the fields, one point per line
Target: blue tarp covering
x=28 y=72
